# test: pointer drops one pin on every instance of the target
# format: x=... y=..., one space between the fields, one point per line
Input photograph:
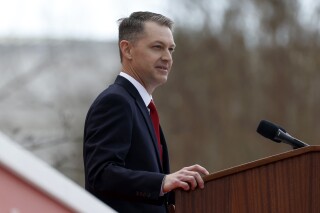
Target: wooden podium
x=284 y=183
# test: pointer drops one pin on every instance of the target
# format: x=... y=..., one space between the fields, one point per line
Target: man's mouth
x=162 y=67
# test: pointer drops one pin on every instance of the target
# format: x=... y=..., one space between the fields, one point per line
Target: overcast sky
x=93 y=19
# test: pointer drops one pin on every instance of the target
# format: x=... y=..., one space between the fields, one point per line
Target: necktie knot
x=152 y=107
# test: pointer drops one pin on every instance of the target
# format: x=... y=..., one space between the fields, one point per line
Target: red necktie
x=156 y=124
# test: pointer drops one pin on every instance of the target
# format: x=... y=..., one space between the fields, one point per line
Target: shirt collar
x=146 y=97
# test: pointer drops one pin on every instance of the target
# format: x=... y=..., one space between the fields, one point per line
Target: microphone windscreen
x=268 y=130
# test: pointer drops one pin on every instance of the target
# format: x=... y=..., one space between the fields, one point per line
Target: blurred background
x=236 y=62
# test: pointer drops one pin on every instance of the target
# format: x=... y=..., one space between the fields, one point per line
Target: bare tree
x=226 y=79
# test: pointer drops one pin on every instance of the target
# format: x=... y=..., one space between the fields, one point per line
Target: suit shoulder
x=114 y=93
x=111 y=99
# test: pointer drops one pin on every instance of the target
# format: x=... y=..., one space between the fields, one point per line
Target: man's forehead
x=157 y=33
x=154 y=25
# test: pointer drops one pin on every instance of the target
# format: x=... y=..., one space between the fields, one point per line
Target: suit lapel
x=144 y=111
x=147 y=119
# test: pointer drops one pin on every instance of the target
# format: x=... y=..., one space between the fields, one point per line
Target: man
x=125 y=152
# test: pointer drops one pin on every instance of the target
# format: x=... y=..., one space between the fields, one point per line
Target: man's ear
x=125 y=47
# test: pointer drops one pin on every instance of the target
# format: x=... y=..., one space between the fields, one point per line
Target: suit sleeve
x=107 y=140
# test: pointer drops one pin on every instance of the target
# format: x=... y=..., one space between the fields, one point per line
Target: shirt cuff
x=161 y=190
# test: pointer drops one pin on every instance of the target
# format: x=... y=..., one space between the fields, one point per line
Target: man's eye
x=157 y=47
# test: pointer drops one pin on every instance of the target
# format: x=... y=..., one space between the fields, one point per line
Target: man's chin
x=163 y=79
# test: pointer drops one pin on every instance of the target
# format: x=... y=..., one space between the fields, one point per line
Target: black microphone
x=278 y=134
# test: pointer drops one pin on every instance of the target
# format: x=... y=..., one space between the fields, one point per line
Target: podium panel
x=288 y=182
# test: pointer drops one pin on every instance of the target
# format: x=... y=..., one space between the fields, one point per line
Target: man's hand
x=187 y=178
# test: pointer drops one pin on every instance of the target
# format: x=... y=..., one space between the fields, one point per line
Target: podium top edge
x=261 y=162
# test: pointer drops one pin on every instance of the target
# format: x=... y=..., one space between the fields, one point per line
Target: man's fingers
x=199 y=180
x=184 y=185
x=197 y=168
x=193 y=178
x=187 y=178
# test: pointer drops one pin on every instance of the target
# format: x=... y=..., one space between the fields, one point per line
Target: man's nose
x=166 y=55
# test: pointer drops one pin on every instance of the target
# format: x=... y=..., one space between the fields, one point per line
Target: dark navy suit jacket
x=121 y=158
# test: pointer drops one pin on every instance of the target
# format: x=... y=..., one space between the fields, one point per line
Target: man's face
x=152 y=55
